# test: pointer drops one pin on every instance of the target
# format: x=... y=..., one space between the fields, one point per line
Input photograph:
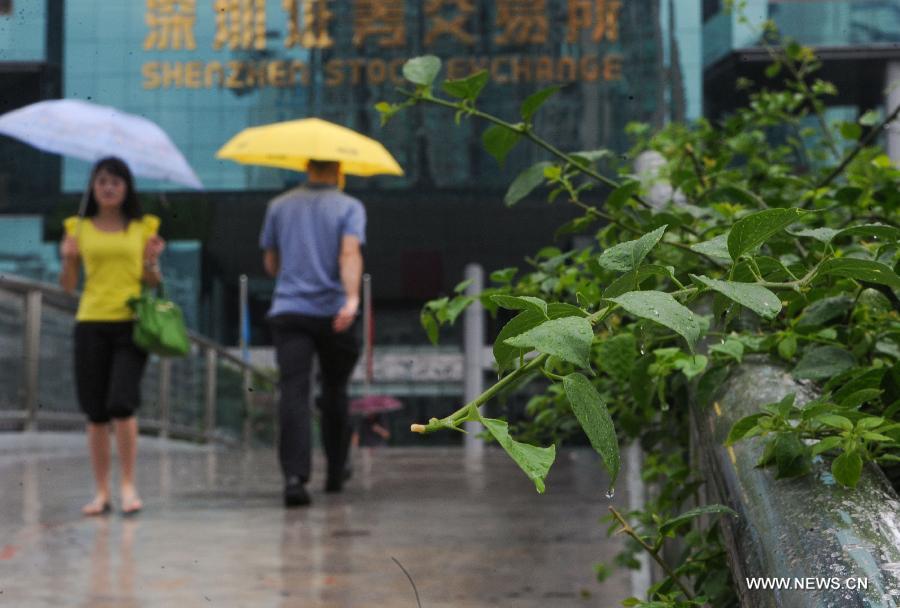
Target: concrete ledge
x=795 y=528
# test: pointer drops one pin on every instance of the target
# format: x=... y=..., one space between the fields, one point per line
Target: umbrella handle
x=82 y=205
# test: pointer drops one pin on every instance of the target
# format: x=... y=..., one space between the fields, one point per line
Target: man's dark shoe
x=295 y=495
x=334 y=483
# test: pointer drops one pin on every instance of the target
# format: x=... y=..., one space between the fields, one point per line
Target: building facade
x=205 y=69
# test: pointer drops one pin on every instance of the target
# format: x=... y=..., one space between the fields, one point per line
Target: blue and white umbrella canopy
x=89 y=131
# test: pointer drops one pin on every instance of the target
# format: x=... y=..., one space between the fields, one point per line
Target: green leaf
x=568 y=338
x=456 y=306
x=751 y=231
x=823 y=235
x=835 y=421
x=743 y=428
x=878 y=437
x=822 y=311
x=617 y=355
x=506 y=355
x=691 y=366
x=499 y=141
x=687 y=516
x=848 y=195
x=422 y=70
x=534 y=461
x=787 y=347
x=575 y=226
x=386 y=111
x=847 y=469
x=504 y=275
x=861 y=270
x=627 y=256
x=714 y=248
x=823 y=362
x=829 y=443
x=527 y=180
x=467 y=88
x=856 y=399
x=661 y=308
x=641 y=384
x=462 y=286
x=781 y=408
x=755 y=297
x=869 y=119
x=768 y=455
x=850 y=130
x=586 y=158
x=534 y=101
x=868 y=379
x=773 y=70
x=792 y=456
x=881 y=231
x=620 y=195
x=731 y=348
x=631 y=281
x=869 y=423
x=429 y=323
x=709 y=383
x=521 y=303
x=592 y=415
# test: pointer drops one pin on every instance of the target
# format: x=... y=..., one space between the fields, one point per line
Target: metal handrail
x=36 y=295
x=63 y=300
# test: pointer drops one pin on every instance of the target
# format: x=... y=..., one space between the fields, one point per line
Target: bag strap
x=160 y=290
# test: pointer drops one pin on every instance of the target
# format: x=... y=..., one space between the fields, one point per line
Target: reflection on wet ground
x=213 y=532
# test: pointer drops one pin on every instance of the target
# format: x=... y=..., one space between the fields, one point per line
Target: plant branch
x=627 y=529
x=526 y=132
x=863 y=143
x=465 y=412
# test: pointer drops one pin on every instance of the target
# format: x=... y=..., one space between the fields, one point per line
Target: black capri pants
x=108 y=370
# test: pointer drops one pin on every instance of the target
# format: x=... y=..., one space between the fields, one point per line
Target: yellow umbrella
x=291 y=144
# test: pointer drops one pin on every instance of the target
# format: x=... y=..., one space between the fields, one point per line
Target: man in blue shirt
x=312 y=238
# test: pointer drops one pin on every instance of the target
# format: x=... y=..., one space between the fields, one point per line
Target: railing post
x=248 y=406
x=209 y=392
x=165 y=383
x=244 y=344
x=473 y=347
x=32 y=352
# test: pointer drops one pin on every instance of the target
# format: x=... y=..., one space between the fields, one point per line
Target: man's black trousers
x=297 y=339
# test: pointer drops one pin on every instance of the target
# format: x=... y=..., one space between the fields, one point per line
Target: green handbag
x=158 y=324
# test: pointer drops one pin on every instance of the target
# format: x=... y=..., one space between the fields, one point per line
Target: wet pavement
x=214 y=533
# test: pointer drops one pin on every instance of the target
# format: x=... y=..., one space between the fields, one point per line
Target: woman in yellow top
x=119 y=248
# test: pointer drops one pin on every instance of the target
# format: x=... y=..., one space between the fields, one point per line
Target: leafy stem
x=860 y=146
x=469 y=411
x=654 y=552
x=524 y=130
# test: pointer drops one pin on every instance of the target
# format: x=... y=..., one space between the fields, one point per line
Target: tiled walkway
x=213 y=532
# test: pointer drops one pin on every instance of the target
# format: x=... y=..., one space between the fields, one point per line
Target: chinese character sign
x=383 y=19
x=521 y=22
x=170 y=24
x=240 y=24
x=517 y=41
x=599 y=17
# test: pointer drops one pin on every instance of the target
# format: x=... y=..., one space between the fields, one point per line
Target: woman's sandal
x=96 y=507
x=132 y=506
